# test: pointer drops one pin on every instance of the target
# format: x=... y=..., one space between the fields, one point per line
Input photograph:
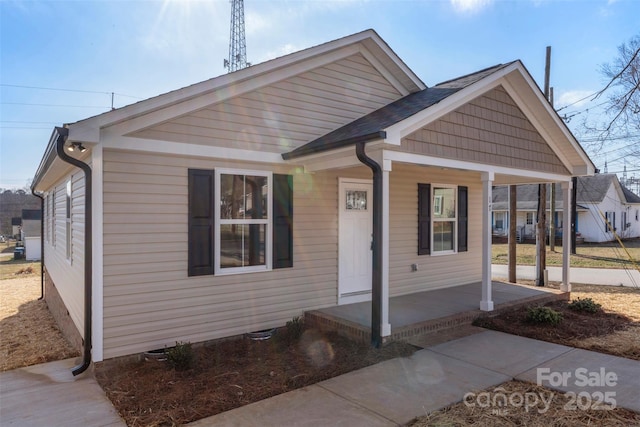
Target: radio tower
x=237 y=45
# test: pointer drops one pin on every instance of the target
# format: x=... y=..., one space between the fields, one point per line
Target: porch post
x=486 y=304
x=566 y=236
x=385 y=326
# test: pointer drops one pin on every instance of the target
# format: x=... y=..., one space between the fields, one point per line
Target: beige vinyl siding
x=434 y=271
x=68 y=274
x=490 y=129
x=150 y=302
x=286 y=114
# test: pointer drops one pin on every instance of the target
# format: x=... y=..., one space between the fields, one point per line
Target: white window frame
x=53 y=217
x=68 y=219
x=610 y=223
x=434 y=252
x=47 y=214
x=526 y=218
x=218 y=222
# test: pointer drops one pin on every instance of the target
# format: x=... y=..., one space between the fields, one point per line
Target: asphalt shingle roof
x=372 y=125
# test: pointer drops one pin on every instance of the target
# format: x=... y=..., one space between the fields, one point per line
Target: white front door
x=355 y=230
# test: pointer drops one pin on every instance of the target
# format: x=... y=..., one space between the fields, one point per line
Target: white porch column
x=486 y=303
x=385 y=326
x=566 y=236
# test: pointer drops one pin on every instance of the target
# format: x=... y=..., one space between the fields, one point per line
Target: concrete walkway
x=588 y=276
x=49 y=395
x=394 y=392
x=390 y=393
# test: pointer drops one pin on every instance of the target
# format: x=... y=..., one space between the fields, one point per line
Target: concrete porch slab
x=428 y=311
x=427 y=305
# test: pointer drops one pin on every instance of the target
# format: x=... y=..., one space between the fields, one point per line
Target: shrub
x=586 y=305
x=543 y=315
x=181 y=357
x=295 y=328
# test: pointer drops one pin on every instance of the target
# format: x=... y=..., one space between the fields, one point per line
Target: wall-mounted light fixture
x=77 y=146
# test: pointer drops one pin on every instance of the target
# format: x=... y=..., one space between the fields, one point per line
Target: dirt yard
x=28 y=333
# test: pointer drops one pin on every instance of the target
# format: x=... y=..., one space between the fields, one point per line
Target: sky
x=63 y=61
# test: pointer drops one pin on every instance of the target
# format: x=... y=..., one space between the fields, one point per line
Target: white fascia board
x=85 y=131
x=555 y=117
x=418 y=159
x=339 y=158
x=191 y=150
x=396 y=60
x=183 y=101
x=183 y=104
x=396 y=132
x=543 y=130
x=385 y=73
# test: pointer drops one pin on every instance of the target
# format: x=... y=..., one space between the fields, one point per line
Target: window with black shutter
x=442 y=219
x=239 y=221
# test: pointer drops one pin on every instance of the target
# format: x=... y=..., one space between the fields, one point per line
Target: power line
x=56 y=105
x=68 y=90
x=579 y=100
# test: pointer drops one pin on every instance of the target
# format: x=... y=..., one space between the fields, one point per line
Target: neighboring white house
x=598 y=197
x=237 y=203
x=30 y=233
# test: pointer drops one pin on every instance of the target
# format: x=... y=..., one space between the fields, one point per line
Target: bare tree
x=623 y=91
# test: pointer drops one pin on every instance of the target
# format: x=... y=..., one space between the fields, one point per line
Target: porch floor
x=429 y=311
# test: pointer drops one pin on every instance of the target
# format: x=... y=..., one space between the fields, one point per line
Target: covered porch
x=434 y=157
x=427 y=312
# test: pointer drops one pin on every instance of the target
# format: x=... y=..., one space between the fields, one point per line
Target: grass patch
x=11 y=268
x=601 y=255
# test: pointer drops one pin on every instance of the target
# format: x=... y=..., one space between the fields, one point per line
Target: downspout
x=376 y=245
x=41 y=243
x=63 y=133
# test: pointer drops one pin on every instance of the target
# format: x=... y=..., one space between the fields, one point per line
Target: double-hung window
x=610 y=222
x=68 y=232
x=243 y=229
x=529 y=218
x=442 y=219
x=239 y=221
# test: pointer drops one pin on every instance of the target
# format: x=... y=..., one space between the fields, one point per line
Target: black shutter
x=424 y=219
x=282 y=221
x=201 y=222
x=463 y=212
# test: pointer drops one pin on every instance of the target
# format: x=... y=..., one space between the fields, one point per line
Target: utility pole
x=513 y=215
x=237 y=45
x=541 y=229
x=552 y=202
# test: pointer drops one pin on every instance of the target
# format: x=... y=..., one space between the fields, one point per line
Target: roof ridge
x=496 y=67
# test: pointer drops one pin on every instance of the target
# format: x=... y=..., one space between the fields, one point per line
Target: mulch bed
x=232 y=373
x=575 y=325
